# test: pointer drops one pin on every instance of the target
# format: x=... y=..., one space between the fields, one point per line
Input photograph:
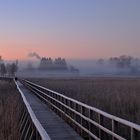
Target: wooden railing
x=30 y=127
x=89 y=122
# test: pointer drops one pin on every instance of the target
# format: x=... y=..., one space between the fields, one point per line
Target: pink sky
x=19 y=49
x=74 y=29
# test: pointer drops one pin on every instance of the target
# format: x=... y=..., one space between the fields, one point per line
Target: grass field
x=117 y=96
x=9 y=111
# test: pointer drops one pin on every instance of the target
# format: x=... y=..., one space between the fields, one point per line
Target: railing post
x=132 y=134
x=32 y=133
x=100 y=119
x=114 y=127
x=28 y=129
x=24 y=128
x=74 y=117
x=64 y=109
x=61 y=107
x=22 y=117
x=90 y=127
x=68 y=112
x=23 y=122
x=81 y=121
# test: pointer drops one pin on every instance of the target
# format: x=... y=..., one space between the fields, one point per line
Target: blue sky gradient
x=85 y=28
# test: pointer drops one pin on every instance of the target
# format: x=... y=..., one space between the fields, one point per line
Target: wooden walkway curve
x=55 y=127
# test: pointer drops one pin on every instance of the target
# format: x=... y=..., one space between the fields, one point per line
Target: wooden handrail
x=41 y=131
x=38 y=89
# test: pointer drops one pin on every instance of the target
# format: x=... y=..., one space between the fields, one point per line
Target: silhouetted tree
x=3 y=70
x=12 y=69
x=8 y=67
x=122 y=61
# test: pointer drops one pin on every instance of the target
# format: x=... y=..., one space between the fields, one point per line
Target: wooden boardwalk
x=56 y=128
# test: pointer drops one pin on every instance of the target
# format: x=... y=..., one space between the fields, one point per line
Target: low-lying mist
x=47 y=67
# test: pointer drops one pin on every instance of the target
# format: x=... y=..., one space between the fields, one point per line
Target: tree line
x=8 y=69
x=123 y=61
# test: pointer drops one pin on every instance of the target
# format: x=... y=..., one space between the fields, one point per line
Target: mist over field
x=94 y=67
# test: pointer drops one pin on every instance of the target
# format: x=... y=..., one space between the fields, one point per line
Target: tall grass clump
x=9 y=111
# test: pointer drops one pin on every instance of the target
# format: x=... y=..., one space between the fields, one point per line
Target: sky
x=74 y=29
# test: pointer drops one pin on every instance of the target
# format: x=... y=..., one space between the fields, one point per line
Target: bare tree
x=12 y=69
x=3 y=70
x=122 y=61
x=8 y=67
